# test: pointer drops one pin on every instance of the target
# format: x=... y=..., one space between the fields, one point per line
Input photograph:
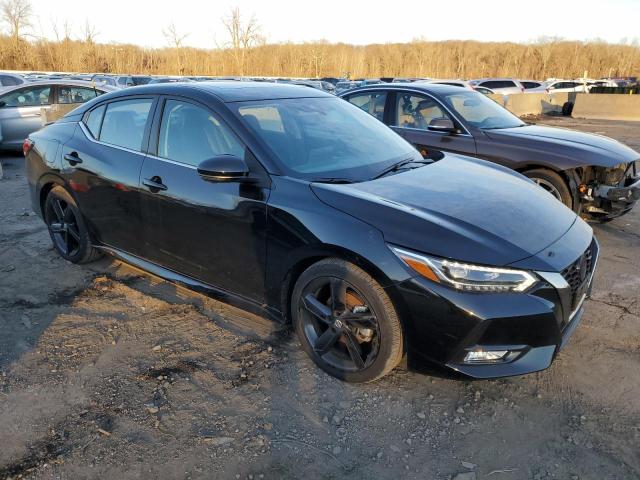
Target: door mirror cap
x=442 y=125
x=224 y=168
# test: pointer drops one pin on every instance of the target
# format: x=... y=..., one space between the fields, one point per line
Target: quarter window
x=124 y=123
x=417 y=112
x=94 y=121
x=28 y=97
x=76 y=94
x=190 y=134
x=372 y=103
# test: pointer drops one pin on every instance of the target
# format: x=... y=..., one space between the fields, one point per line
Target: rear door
x=410 y=114
x=211 y=231
x=102 y=164
x=21 y=113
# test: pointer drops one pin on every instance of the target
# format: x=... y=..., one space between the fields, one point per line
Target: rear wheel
x=552 y=183
x=346 y=322
x=67 y=229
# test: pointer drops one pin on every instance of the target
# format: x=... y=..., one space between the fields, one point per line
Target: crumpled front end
x=608 y=193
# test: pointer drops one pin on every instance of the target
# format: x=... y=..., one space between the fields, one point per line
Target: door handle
x=154 y=183
x=73 y=158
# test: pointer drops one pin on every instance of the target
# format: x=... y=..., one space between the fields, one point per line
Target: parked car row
x=364 y=221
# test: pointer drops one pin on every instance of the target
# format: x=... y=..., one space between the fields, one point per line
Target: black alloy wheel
x=66 y=227
x=346 y=322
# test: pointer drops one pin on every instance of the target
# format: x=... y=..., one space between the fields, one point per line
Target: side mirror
x=2 y=103
x=224 y=168
x=441 y=125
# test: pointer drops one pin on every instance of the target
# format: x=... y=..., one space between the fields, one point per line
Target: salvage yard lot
x=108 y=372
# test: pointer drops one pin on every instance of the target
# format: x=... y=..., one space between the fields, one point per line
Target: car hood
x=585 y=148
x=459 y=208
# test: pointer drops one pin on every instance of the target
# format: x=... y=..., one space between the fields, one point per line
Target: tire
x=67 y=228
x=553 y=183
x=341 y=314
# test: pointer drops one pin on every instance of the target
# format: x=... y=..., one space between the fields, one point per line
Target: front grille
x=579 y=272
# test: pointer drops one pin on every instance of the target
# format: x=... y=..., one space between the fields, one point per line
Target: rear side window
x=529 y=85
x=372 y=103
x=124 y=123
x=190 y=134
x=94 y=121
x=76 y=94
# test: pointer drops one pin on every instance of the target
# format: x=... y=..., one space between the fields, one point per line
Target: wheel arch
x=326 y=251
x=45 y=185
x=570 y=176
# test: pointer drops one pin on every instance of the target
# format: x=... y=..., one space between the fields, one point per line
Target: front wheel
x=552 y=183
x=346 y=322
x=67 y=229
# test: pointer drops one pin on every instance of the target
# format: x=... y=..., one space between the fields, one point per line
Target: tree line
x=247 y=53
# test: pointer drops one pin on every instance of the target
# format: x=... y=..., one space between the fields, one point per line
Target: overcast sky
x=359 y=22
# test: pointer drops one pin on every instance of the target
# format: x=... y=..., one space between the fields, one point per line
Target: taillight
x=27 y=145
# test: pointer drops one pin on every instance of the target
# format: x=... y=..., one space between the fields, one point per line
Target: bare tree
x=175 y=40
x=16 y=14
x=89 y=33
x=243 y=36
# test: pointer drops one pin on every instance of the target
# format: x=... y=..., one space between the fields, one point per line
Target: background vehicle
x=346 y=85
x=561 y=86
x=10 y=80
x=505 y=86
x=169 y=80
x=22 y=107
x=530 y=84
x=450 y=82
x=591 y=174
x=484 y=90
x=345 y=230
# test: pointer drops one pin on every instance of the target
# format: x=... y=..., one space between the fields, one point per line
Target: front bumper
x=606 y=202
x=444 y=325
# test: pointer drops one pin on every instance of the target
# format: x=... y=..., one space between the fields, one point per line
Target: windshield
x=320 y=138
x=480 y=111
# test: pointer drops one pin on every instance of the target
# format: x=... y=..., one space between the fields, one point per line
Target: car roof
x=436 y=88
x=227 y=91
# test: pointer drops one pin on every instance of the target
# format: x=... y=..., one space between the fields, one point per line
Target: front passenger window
x=190 y=134
x=124 y=123
x=417 y=112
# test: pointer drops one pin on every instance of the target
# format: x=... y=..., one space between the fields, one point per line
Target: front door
x=410 y=116
x=210 y=231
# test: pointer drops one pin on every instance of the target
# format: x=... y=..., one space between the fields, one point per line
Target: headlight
x=466 y=276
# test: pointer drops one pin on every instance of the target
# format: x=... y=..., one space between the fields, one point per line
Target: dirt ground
x=107 y=372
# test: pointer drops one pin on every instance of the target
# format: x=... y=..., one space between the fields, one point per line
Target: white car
x=452 y=82
x=562 y=86
x=504 y=86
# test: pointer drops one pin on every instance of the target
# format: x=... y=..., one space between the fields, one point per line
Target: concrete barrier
x=523 y=104
x=607 y=106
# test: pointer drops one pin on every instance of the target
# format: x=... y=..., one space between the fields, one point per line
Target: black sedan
x=295 y=204
x=594 y=175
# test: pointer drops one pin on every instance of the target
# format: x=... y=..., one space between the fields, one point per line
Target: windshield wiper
x=331 y=180
x=397 y=166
